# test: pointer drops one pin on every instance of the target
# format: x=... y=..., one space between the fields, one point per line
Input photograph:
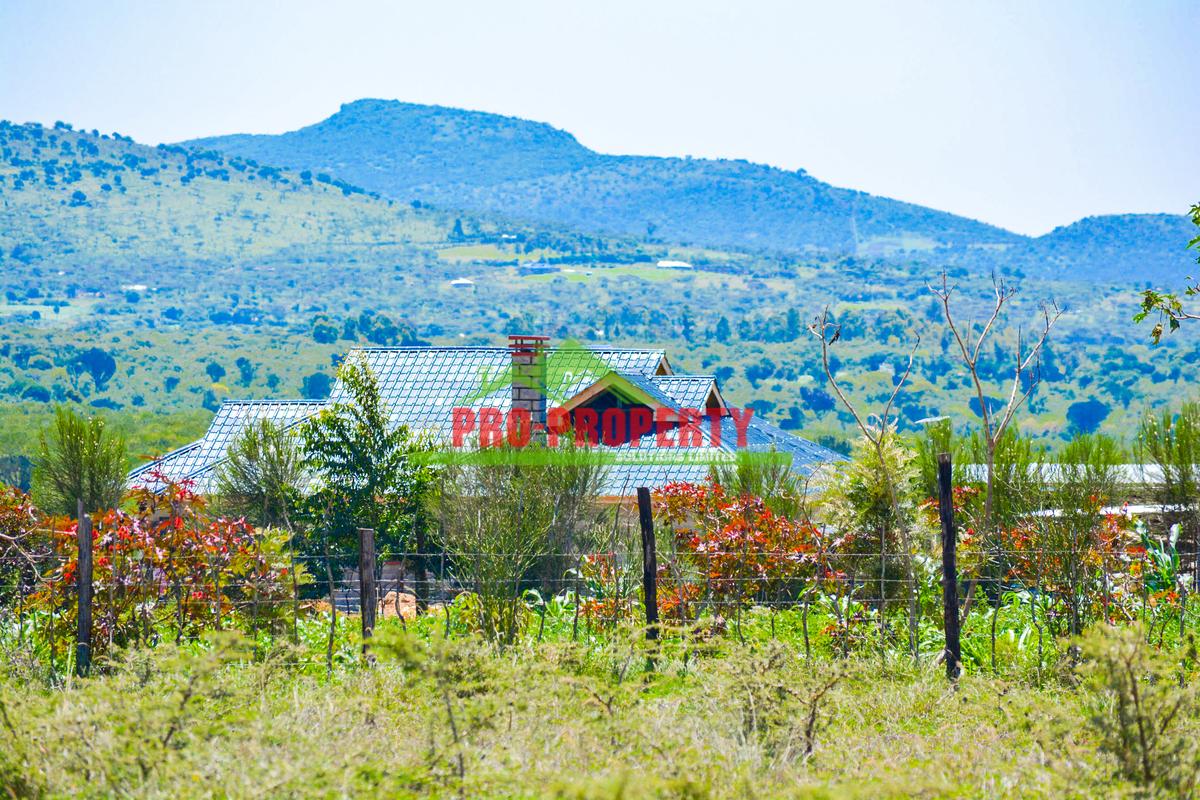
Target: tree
x=215 y=371
x=1167 y=305
x=364 y=466
x=723 y=331
x=324 y=332
x=95 y=362
x=887 y=471
x=316 y=386
x=246 y=370
x=687 y=326
x=79 y=458
x=261 y=476
x=1026 y=370
x=1085 y=416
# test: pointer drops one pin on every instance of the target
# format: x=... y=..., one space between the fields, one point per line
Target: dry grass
x=458 y=719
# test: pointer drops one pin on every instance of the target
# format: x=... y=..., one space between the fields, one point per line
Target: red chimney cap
x=527 y=343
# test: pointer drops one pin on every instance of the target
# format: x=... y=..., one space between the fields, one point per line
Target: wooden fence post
x=649 y=563
x=953 y=652
x=367 y=600
x=83 y=585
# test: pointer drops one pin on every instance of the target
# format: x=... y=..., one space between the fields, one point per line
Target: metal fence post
x=953 y=652
x=83 y=578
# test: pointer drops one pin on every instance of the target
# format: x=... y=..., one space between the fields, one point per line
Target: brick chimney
x=529 y=378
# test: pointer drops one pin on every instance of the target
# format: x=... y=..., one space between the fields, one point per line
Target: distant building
x=463 y=283
x=536 y=268
x=668 y=264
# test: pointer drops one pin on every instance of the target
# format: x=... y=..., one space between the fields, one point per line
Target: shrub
x=170 y=566
x=1141 y=713
x=733 y=549
x=497 y=515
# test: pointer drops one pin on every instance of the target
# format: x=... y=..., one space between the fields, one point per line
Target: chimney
x=529 y=378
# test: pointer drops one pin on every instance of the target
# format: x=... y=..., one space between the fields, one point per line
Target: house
x=653 y=425
x=537 y=268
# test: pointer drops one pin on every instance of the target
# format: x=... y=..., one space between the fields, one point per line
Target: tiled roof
x=175 y=465
x=234 y=416
x=421 y=385
x=686 y=391
x=198 y=460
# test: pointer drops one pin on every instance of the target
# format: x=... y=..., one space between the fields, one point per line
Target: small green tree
x=1170 y=440
x=364 y=465
x=262 y=476
x=766 y=475
x=79 y=458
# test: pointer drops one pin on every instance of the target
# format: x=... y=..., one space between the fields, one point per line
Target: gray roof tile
x=421 y=385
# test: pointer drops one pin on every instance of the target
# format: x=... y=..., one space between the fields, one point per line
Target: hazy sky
x=1026 y=115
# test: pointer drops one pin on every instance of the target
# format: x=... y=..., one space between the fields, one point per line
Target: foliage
x=887 y=536
x=18 y=522
x=733 y=549
x=1167 y=306
x=611 y=589
x=1074 y=553
x=1170 y=440
x=22 y=542
x=767 y=476
x=1017 y=490
x=497 y=517
x=80 y=459
x=262 y=476
x=170 y=569
x=938 y=437
x=1143 y=711
x=727 y=721
x=364 y=465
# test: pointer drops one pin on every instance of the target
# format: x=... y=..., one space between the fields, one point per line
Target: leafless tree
x=877 y=429
x=1026 y=366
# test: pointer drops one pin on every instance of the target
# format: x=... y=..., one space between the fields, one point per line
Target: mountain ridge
x=479 y=161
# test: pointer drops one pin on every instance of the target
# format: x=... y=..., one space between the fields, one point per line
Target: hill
x=1128 y=249
x=153 y=282
x=67 y=194
x=486 y=162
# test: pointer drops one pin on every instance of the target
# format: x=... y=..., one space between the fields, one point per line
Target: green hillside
x=486 y=162
x=68 y=194
x=196 y=277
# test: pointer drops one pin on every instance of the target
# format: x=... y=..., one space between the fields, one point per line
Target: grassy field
x=549 y=718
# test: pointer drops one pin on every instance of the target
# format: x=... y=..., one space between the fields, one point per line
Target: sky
x=1027 y=115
